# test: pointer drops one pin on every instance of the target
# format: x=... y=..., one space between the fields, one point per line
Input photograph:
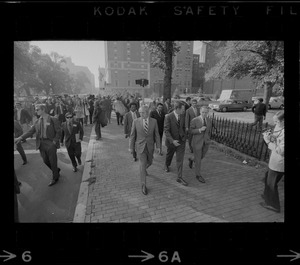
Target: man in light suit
x=144 y=134
x=129 y=117
x=72 y=131
x=48 y=133
x=200 y=129
x=190 y=114
x=174 y=129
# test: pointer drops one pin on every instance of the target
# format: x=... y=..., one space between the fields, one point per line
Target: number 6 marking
x=26 y=257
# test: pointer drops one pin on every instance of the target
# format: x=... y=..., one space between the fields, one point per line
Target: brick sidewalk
x=231 y=192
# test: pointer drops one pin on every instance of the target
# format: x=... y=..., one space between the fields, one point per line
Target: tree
x=261 y=60
x=162 y=53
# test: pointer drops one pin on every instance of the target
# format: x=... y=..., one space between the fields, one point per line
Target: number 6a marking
x=26 y=257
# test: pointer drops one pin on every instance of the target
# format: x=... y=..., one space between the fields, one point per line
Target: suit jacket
x=53 y=131
x=24 y=116
x=172 y=131
x=189 y=115
x=160 y=120
x=167 y=108
x=76 y=129
x=128 y=122
x=200 y=140
x=18 y=131
x=139 y=138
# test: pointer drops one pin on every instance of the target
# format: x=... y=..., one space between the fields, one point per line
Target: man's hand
x=202 y=129
x=176 y=143
x=17 y=140
x=126 y=135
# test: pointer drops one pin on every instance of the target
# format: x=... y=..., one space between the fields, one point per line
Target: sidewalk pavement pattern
x=111 y=189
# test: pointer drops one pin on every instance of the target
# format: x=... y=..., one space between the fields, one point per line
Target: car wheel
x=244 y=108
x=224 y=109
x=281 y=106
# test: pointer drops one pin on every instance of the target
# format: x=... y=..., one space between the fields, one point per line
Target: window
x=142 y=59
x=128 y=82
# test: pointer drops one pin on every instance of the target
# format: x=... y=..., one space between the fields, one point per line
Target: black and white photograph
x=149 y=131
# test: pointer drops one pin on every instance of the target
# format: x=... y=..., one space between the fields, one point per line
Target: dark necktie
x=70 y=127
x=146 y=127
x=42 y=127
x=204 y=122
x=178 y=121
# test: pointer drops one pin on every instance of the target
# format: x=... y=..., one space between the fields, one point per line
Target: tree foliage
x=261 y=60
x=161 y=56
x=43 y=73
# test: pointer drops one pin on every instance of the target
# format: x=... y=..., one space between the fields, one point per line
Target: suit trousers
x=20 y=149
x=258 y=119
x=49 y=154
x=74 y=150
x=145 y=160
x=199 y=154
x=271 y=188
x=98 y=129
x=171 y=149
x=190 y=137
x=91 y=116
x=119 y=118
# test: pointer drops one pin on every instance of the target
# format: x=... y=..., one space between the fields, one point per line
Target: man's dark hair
x=132 y=103
x=187 y=99
x=159 y=104
x=178 y=105
x=261 y=100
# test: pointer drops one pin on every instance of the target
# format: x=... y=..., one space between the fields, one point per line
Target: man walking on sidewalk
x=200 y=129
x=48 y=133
x=190 y=114
x=174 y=128
x=73 y=133
x=144 y=134
x=129 y=117
x=259 y=110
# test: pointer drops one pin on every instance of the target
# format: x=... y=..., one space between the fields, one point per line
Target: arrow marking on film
x=148 y=256
x=296 y=256
x=9 y=256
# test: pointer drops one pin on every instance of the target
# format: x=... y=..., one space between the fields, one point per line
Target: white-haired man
x=144 y=133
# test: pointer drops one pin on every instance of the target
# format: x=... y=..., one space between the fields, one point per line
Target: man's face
x=194 y=104
x=204 y=113
x=18 y=106
x=160 y=108
x=133 y=108
x=145 y=113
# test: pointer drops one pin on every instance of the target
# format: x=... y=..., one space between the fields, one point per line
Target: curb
x=80 y=211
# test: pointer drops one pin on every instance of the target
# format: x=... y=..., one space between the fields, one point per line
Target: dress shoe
x=53 y=181
x=201 y=179
x=24 y=162
x=74 y=169
x=79 y=161
x=191 y=163
x=269 y=207
x=144 y=190
x=167 y=169
x=181 y=181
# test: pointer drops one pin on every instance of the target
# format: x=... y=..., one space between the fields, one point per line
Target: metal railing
x=241 y=136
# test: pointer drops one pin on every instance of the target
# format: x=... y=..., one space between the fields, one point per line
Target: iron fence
x=241 y=136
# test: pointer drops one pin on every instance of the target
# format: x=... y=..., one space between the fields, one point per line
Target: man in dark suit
x=190 y=114
x=159 y=115
x=144 y=134
x=200 y=129
x=48 y=133
x=22 y=116
x=60 y=111
x=129 y=117
x=167 y=106
x=73 y=133
x=18 y=131
x=174 y=128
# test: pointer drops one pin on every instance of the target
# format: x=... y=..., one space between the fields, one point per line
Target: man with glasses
x=48 y=134
x=72 y=131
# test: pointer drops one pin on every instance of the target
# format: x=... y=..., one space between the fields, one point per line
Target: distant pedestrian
x=91 y=107
x=120 y=110
x=18 y=131
x=48 y=133
x=129 y=117
x=144 y=134
x=200 y=129
x=159 y=115
x=275 y=142
x=174 y=129
x=188 y=103
x=167 y=106
x=79 y=111
x=97 y=117
x=72 y=132
x=259 y=110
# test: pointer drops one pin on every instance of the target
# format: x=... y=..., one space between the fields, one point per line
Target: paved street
x=37 y=201
x=231 y=192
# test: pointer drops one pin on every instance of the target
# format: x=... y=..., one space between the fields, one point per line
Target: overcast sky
x=83 y=53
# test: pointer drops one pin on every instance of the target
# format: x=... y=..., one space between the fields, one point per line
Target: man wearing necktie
x=144 y=133
x=48 y=133
x=200 y=129
x=190 y=114
x=129 y=117
x=159 y=115
x=174 y=129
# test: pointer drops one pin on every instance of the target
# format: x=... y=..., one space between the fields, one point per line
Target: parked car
x=276 y=103
x=231 y=105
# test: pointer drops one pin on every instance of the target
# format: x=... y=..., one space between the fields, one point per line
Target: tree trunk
x=268 y=86
x=168 y=70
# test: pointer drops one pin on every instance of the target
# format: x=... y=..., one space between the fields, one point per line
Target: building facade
x=198 y=72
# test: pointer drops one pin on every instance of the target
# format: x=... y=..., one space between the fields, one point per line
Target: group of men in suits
x=50 y=133
x=178 y=125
